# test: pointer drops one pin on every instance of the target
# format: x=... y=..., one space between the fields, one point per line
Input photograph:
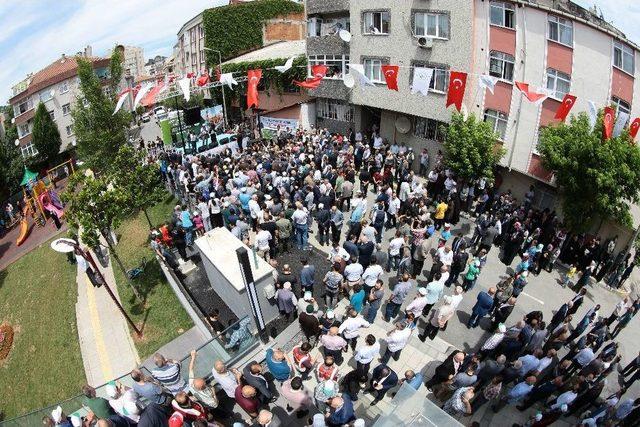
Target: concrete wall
x=326 y=6
x=289 y=27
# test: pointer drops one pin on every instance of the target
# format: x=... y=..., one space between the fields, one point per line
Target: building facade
x=57 y=86
x=189 y=53
x=133 y=61
x=155 y=66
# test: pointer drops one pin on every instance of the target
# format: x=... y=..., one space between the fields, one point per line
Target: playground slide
x=24 y=231
x=46 y=204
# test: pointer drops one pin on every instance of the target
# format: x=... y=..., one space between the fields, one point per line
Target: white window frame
x=45 y=96
x=322 y=60
x=503 y=7
x=21 y=132
x=69 y=130
x=334 y=110
x=442 y=25
x=64 y=87
x=503 y=60
x=28 y=150
x=626 y=54
x=499 y=121
x=440 y=76
x=562 y=26
x=369 y=22
x=373 y=69
x=620 y=105
x=554 y=77
x=67 y=107
x=29 y=106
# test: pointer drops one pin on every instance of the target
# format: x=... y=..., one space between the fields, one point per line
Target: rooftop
x=284 y=49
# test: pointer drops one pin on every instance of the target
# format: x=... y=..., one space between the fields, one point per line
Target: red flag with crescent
x=457 y=84
x=567 y=104
x=607 y=122
x=319 y=72
x=203 y=79
x=391 y=76
x=633 y=129
x=530 y=94
x=254 y=77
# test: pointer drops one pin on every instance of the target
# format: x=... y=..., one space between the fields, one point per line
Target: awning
x=28 y=176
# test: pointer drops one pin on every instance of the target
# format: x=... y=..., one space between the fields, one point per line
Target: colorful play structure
x=40 y=199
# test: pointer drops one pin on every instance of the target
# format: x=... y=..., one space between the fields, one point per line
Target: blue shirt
x=343 y=414
x=529 y=363
x=357 y=300
x=185 y=219
x=416 y=381
x=306 y=276
x=518 y=392
x=279 y=369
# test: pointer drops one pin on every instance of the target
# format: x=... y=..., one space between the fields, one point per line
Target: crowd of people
x=348 y=190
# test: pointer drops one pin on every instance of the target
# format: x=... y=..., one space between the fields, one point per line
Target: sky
x=36 y=32
x=33 y=33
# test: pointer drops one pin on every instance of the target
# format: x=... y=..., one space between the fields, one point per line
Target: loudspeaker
x=192 y=116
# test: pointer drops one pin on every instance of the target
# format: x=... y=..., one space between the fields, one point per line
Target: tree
x=94 y=206
x=99 y=132
x=10 y=158
x=45 y=135
x=115 y=71
x=139 y=181
x=598 y=179
x=470 y=148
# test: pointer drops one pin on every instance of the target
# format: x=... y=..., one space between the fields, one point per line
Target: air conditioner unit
x=425 y=42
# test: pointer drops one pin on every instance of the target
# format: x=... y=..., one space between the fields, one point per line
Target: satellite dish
x=403 y=124
x=345 y=35
x=17 y=142
x=349 y=81
x=63 y=245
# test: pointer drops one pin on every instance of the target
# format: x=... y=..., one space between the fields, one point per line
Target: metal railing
x=207 y=354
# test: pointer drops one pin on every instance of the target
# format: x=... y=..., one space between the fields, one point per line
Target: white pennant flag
x=358 y=70
x=185 y=85
x=141 y=93
x=593 y=114
x=487 y=82
x=287 y=65
x=421 y=80
x=227 y=79
x=623 y=118
x=121 y=101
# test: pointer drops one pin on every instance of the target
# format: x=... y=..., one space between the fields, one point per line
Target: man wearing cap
x=324 y=392
x=286 y=301
x=417 y=306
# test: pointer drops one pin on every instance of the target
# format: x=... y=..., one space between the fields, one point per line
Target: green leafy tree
x=99 y=132
x=95 y=207
x=598 y=179
x=138 y=180
x=470 y=148
x=12 y=164
x=115 y=71
x=45 y=135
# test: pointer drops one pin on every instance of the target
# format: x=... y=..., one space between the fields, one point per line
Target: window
x=498 y=120
x=373 y=70
x=201 y=31
x=314 y=27
x=501 y=65
x=334 y=110
x=46 y=95
x=69 y=130
x=337 y=64
x=426 y=24
x=623 y=57
x=503 y=14
x=560 y=30
x=376 y=22
x=28 y=150
x=620 y=105
x=64 y=87
x=23 y=107
x=53 y=115
x=429 y=129
x=194 y=58
x=66 y=109
x=202 y=58
x=559 y=83
x=24 y=129
x=439 y=80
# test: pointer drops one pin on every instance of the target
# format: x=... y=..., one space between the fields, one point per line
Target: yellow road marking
x=105 y=364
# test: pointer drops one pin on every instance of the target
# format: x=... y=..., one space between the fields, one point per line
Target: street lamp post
x=224 y=101
x=67 y=245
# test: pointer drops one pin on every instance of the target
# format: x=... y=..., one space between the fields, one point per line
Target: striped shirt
x=169 y=376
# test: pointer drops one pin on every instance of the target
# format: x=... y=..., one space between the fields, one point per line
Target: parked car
x=160 y=113
x=146 y=117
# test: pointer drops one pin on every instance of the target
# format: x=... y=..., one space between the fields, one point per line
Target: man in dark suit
x=502 y=313
x=383 y=379
x=483 y=306
x=560 y=315
x=252 y=374
x=447 y=369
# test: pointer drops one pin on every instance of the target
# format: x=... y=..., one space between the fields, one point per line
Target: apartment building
x=57 y=86
x=190 y=54
x=133 y=61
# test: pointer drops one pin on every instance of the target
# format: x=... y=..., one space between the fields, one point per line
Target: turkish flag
x=254 y=77
x=190 y=75
x=567 y=104
x=530 y=94
x=391 y=76
x=607 y=122
x=633 y=129
x=457 y=84
x=203 y=79
x=319 y=72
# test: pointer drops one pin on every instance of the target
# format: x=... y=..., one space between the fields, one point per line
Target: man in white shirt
x=371 y=275
x=396 y=340
x=365 y=355
x=262 y=242
x=419 y=302
x=300 y=218
x=227 y=379
x=337 y=251
x=353 y=273
x=254 y=210
x=395 y=251
x=350 y=328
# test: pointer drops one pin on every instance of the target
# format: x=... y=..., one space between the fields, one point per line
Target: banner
x=273 y=123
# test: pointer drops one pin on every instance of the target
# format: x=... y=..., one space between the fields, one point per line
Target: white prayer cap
x=111 y=390
x=422 y=291
x=330 y=314
x=56 y=414
x=308 y=295
x=320 y=205
x=76 y=421
x=502 y=328
x=287 y=285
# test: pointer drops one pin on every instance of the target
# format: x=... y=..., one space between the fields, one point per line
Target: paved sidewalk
x=106 y=344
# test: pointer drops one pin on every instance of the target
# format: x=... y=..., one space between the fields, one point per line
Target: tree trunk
x=146 y=215
x=115 y=256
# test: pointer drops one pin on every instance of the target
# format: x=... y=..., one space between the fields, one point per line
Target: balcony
x=332 y=89
x=327 y=45
x=327 y=6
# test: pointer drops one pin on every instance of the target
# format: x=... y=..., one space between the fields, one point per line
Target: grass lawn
x=162 y=314
x=38 y=294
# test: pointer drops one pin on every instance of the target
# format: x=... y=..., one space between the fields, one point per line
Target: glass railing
x=228 y=346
